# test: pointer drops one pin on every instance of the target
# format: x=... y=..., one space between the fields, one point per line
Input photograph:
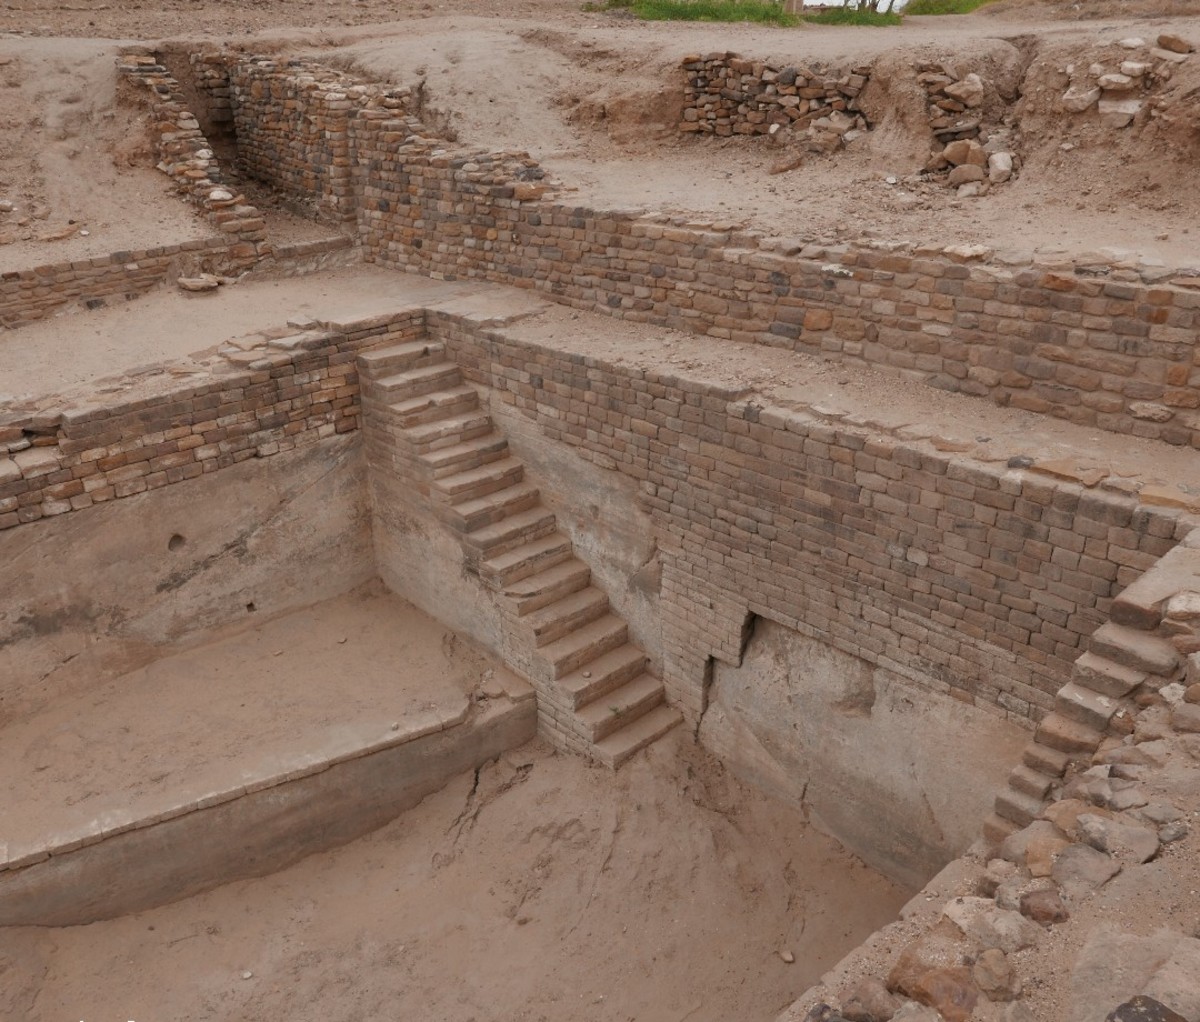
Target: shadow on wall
x=901 y=775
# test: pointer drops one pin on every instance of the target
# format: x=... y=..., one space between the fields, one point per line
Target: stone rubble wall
x=185 y=157
x=282 y=392
x=726 y=95
x=973 y=579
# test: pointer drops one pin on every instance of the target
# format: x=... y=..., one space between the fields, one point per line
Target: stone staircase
x=1125 y=656
x=595 y=693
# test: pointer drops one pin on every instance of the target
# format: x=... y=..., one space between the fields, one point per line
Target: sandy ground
x=335 y=675
x=540 y=889
x=595 y=96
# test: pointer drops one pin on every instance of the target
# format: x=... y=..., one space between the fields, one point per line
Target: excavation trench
x=445 y=649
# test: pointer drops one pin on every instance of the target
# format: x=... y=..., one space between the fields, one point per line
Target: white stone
x=1134 y=68
x=1000 y=167
x=1117 y=83
x=220 y=195
x=1132 y=42
x=1118 y=113
x=1079 y=98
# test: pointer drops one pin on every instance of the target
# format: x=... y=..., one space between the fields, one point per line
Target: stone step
x=1082 y=704
x=438 y=404
x=1020 y=808
x=419 y=380
x=1045 y=760
x=525 y=560
x=1140 y=651
x=449 y=432
x=996 y=829
x=593 y=640
x=1066 y=735
x=492 y=508
x=1030 y=782
x=620 y=707
x=621 y=745
x=598 y=677
x=397 y=357
x=509 y=533
x=536 y=591
x=479 y=482
x=566 y=615
x=457 y=458
x=1106 y=677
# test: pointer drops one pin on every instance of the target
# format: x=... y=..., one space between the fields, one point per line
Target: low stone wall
x=298 y=389
x=975 y=580
x=29 y=295
x=726 y=95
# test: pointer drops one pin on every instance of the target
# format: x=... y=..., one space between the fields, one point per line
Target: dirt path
x=543 y=889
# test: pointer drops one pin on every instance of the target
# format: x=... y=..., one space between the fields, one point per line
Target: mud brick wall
x=726 y=95
x=293 y=125
x=28 y=295
x=1119 y=355
x=980 y=581
x=186 y=157
x=296 y=392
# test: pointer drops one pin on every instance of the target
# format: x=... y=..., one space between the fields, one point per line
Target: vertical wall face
x=92 y=594
x=901 y=775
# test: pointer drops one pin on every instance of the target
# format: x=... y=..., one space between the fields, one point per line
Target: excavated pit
x=378 y=529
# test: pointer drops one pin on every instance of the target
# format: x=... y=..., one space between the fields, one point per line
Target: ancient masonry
x=726 y=95
x=595 y=694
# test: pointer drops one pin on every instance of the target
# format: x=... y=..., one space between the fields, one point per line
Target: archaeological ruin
x=434 y=584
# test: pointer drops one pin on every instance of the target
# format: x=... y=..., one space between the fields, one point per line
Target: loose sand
x=541 y=889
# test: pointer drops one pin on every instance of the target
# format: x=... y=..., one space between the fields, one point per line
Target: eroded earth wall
x=91 y=595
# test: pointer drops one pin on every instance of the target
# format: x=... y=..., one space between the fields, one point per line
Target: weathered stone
x=1000 y=167
x=990 y=926
x=942 y=946
x=952 y=993
x=965 y=174
x=1143 y=1009
x=1044 y=907
x=1116 y=83
x=1175 y=44
x=868 y=1000
x=969 y=92
x=1079 y=98
x=965 y=151
x=1185 y=717
x=1149 y=411
x=995 y=977
x=1118 y=113
x=1081 y=869
x=1176 y=982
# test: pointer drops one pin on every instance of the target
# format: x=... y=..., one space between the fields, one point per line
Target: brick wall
x=976 y=580
x=292 y=123
x=1116 y=354
x=1112 y=352
x=28 y=295
x=299 y=390
x=187 y=158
